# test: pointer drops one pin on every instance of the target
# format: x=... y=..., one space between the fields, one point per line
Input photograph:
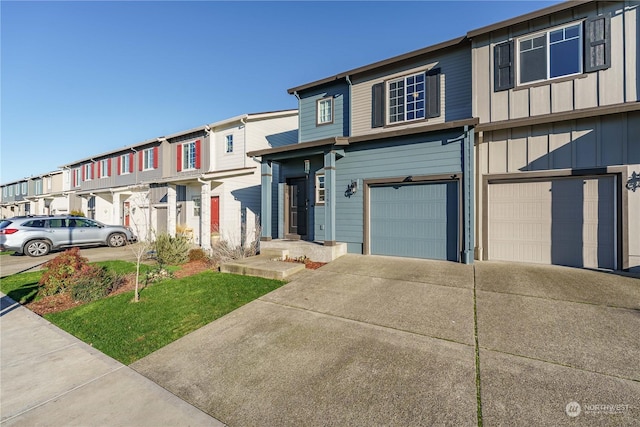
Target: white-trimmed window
x=25 y=188
x=11 y=191
x=47 y=183
x=196 y=205
x=104 y=168
x=17 y=187
x=37 y=187
x=551 y=54
x=88 y=171
x=189 y=155
x=76 y=177
x=406 y=98
x=148 y=160
x=229 y=143
x=324 y=109
x=125 y=164
x=320 y=190
x=5 y=191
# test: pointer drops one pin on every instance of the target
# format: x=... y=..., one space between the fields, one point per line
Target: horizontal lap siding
x=386 y=160
x=613 y=85
x=309 y=130
x=455 y=89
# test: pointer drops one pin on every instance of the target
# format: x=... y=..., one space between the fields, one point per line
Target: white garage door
x=564 y=221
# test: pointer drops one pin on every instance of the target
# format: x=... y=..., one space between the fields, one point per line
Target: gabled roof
x=381 y=64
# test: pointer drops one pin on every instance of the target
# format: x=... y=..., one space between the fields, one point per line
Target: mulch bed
x=311 y=265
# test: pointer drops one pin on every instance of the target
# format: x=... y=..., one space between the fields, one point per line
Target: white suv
x=37 y=235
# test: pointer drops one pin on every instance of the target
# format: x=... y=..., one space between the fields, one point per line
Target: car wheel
x=37 y=248
x=116 y=240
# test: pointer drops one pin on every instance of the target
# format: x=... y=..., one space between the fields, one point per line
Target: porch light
x=307 y=167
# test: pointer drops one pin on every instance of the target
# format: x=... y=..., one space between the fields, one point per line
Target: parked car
x=38 y=235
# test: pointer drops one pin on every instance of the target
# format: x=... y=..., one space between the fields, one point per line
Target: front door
x=215 y=214
x=297 y=206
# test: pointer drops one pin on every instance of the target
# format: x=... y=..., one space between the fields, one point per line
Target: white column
x=171 y=210
x=205 y=215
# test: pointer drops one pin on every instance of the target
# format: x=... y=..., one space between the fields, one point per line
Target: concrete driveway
x=371 y=341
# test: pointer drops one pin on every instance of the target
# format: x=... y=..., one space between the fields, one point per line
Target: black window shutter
x=432 y=81
x=597 y=43
x=377 y=105
x=503 y=66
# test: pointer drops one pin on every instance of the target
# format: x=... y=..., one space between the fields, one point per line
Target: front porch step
x=262 y=266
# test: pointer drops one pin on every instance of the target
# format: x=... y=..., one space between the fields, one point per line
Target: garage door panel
x=414 y=220
x=568 y=221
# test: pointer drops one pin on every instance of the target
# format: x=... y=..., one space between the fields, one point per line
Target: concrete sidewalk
x=371 y=340
x=49 y=377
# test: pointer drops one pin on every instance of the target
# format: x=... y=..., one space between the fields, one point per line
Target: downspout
x=350 y=115
x=244 y=123
x=295 y=93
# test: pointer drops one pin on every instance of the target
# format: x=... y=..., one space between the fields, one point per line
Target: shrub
x=93 y=282
x=60 y=272
x=171 y=250
x=198 y=255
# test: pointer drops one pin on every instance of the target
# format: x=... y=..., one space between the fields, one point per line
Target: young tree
x=141 y=248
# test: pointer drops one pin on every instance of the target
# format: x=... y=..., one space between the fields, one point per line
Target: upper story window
x=47 y=183
x=5 y=191
x=17 y=189
x=125 y=164
x=150 y=158
x=37 y=187
x=87 y=172
x=324 y=109
x=320 y=190
x=408 y=98
x=229 y=143
x=568 y=50
x=104 y=168
x=76 y=177
x=188 y=155
x=551 y=54
x=10 y=190
x=25 y=188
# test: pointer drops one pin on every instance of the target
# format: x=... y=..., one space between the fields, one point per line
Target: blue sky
x=82 y=78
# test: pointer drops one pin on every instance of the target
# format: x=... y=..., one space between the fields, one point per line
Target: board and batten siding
x=455 y=89
x=585 y=143
x=309 y=129
x=614 y=85
x=419 y=155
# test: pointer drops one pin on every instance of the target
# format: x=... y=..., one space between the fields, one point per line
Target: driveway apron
x=372 y=340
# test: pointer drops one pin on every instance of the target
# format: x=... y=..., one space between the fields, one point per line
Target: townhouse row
x=519 y=141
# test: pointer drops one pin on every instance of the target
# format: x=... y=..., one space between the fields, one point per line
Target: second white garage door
x=564 y=221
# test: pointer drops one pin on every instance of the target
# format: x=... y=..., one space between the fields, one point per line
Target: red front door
x=215 y=214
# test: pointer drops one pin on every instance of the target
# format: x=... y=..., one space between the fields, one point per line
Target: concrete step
x=262 y=266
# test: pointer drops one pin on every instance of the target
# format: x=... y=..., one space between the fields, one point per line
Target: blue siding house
x=384 y=160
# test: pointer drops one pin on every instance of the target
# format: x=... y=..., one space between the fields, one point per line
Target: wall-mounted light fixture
x=352 y=188
x=307 y=167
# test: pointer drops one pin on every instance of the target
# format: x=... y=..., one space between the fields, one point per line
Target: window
x=37 y=186
x=412 y=97
x=87 y=172
x=25 y=189
x=37 y=223
x=10 y=190
x=406 y=98
x=76 y=177
x=196 y=206
x=47 y=182
x=229 y=145
x=5 y=191
x=125 y=164
x=324 y=109
x=104 y=168
x=551 y=54
x=320 y=190
x=149 y=158
x=568 y=50
x=189 y=156
x=17 y=186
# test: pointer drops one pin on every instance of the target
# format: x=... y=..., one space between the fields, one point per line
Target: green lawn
x=168 y=310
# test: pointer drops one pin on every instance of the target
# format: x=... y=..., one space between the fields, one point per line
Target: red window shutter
x=198 y=154
x=140 y=158
x=99 y=167
x=74 y=179
x=109 y=167
x=93 y=170
x=131 y=160
x=119 y=165
x=179 y=158
x=155 y=157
